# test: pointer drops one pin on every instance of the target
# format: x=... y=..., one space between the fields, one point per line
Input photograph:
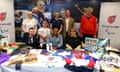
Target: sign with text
x=109 y=24
x=7 y=19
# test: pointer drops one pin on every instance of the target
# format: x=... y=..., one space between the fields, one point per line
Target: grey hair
x=40 y=2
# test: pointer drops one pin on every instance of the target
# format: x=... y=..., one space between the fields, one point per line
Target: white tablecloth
x=32 y=68
x=42 y=65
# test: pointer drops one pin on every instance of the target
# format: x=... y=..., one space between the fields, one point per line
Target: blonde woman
x=73 y=41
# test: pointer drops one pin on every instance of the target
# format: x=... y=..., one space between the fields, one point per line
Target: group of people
x=61 y=32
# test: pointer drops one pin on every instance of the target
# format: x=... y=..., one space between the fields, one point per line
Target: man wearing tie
x=68 y=23
x=31 y=39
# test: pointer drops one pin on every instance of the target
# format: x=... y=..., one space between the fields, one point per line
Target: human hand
x=94 y=36
x=41 y=45
x=68 y=48
x=76 y=48
x=54 y=47
x=30 y=47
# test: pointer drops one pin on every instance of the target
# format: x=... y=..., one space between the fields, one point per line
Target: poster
x=7 y=19
x=109 y=23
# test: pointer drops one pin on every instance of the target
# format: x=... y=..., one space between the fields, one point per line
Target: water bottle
x=18 y=67
x=97 y=67
x=49 y=47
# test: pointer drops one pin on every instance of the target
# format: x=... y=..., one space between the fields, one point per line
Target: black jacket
x=33 y=42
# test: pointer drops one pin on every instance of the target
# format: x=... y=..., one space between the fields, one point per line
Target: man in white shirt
x=29 y=22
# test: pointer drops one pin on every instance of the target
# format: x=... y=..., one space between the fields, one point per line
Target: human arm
x=24 y=28
x=72 y=25
x=61 y=27
x=76 y=5
x=43 y=33
x=78 y=47
x=95 y=26
x=50 y=27
x=82 y=44
x=35 y=25
x=35 y=28
x=60 y=42
x=43 y=37
x=68 y=46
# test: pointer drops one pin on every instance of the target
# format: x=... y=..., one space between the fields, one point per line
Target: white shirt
x=44 y=32
x=67 y=23
x=29 y=23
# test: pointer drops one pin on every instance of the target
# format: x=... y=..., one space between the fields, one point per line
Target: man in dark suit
x=31 y=39
x=68 y=23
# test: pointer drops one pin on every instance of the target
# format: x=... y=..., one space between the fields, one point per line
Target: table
x=12 y=46
x=111 y=61
x=38 y=67
x=34 y=67
x=57 y=65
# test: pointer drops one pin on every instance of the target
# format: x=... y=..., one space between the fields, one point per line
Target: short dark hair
x=31 y=28
x=44 y=20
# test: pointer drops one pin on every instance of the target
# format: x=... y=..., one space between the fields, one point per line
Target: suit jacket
x=71 y=24
x=35 y=41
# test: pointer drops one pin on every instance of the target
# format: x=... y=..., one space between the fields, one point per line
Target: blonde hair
x=73 y=29
x=35 y=9
x=56 y=12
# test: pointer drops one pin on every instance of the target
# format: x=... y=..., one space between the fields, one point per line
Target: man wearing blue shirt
x=56 y=39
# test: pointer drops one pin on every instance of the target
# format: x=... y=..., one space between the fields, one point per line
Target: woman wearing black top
x=73 y=41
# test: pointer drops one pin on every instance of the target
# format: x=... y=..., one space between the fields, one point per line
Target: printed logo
x=111 y=19
x=2 y=16
x=109 y=32
x=3 y=30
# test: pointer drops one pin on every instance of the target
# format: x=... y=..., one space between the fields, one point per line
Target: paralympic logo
x=109 y=32
x=3 y=30
x=111 y=19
